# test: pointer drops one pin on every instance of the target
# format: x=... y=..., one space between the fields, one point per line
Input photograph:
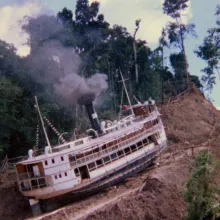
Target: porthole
x=60 y=175
x=65 y=173
x=62 y=159
x=53 y=161
x=45 y=162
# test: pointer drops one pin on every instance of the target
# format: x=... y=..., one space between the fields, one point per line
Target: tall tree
x=162 y=44
x=84 y=12
x=137 y=24
x=177 y=31
x=209 y=51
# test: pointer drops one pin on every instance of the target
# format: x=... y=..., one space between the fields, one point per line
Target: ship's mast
x=129 y=101
x=42 y=122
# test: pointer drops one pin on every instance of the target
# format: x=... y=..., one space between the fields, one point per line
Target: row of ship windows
x=116 y=128
x=105 y=149
x=126 y=142
x=60 y=175
x=115 y=156
x=53 y=160
x=108 y=150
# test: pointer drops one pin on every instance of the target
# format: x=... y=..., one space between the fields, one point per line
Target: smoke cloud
x=57 y=69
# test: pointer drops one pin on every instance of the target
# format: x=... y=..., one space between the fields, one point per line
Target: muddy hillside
x=192 y=124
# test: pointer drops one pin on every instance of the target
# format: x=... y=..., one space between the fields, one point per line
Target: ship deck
x=114 y=135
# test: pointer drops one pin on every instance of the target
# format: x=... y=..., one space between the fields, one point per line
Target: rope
x=36 y=147
x=55 y=130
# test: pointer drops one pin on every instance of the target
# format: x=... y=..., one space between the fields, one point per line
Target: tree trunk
x=184 y=54
x=135 y=60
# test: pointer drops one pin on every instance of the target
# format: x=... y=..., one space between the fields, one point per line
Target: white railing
x=33 y=183
x=119 y=146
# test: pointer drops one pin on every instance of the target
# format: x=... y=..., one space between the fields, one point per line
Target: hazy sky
x=123 y=12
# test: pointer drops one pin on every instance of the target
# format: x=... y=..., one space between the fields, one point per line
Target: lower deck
x=101 y=177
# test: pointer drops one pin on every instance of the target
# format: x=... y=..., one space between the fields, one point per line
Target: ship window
x=152 y=138
x=95 y=150
x=106 y=160
x=133 y=148
x=78 y=156
x=104 y=147
x=139 y=144
x=127 y=150
x=45 y=162
x=145 y=141
x=155 y=121
x=65 y=173
x=76 y=172
x=115 y=147
x=53 y=160
x=92 y=166
x=55 y=176
x=120 y=153
x=99 y=163
x=62 y=158
x=72 y=158
x=114 y=156
x=60 y=175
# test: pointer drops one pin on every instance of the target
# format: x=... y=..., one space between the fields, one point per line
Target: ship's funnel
x=93 y=117
x=87 y=100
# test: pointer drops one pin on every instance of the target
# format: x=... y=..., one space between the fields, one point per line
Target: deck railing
x=113 y=149
x=33 y=183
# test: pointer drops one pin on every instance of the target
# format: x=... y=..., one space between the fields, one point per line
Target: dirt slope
x=192 y=124
x=12 y=204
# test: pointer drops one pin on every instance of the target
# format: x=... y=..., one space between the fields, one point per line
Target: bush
x=201 y=193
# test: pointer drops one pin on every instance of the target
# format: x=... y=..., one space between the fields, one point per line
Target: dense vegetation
x=86 y=45
x=201 y=193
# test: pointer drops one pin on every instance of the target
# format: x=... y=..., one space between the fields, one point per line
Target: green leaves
x=201 y=193
x=209 y=51
x=173 y=7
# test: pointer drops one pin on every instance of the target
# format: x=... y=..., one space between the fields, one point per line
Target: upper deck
x=118 y=129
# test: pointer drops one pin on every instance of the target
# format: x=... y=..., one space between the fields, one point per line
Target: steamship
x=111 y=152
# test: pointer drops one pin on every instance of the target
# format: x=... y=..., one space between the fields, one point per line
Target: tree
x=8 y=59
x=174 y=7
x=162 y=44
x=137 y=24
x=85 y=13
x=209 y=51
x=66 y=16
x=177 y=31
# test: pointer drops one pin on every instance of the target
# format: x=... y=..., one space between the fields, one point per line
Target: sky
x=123 y=12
